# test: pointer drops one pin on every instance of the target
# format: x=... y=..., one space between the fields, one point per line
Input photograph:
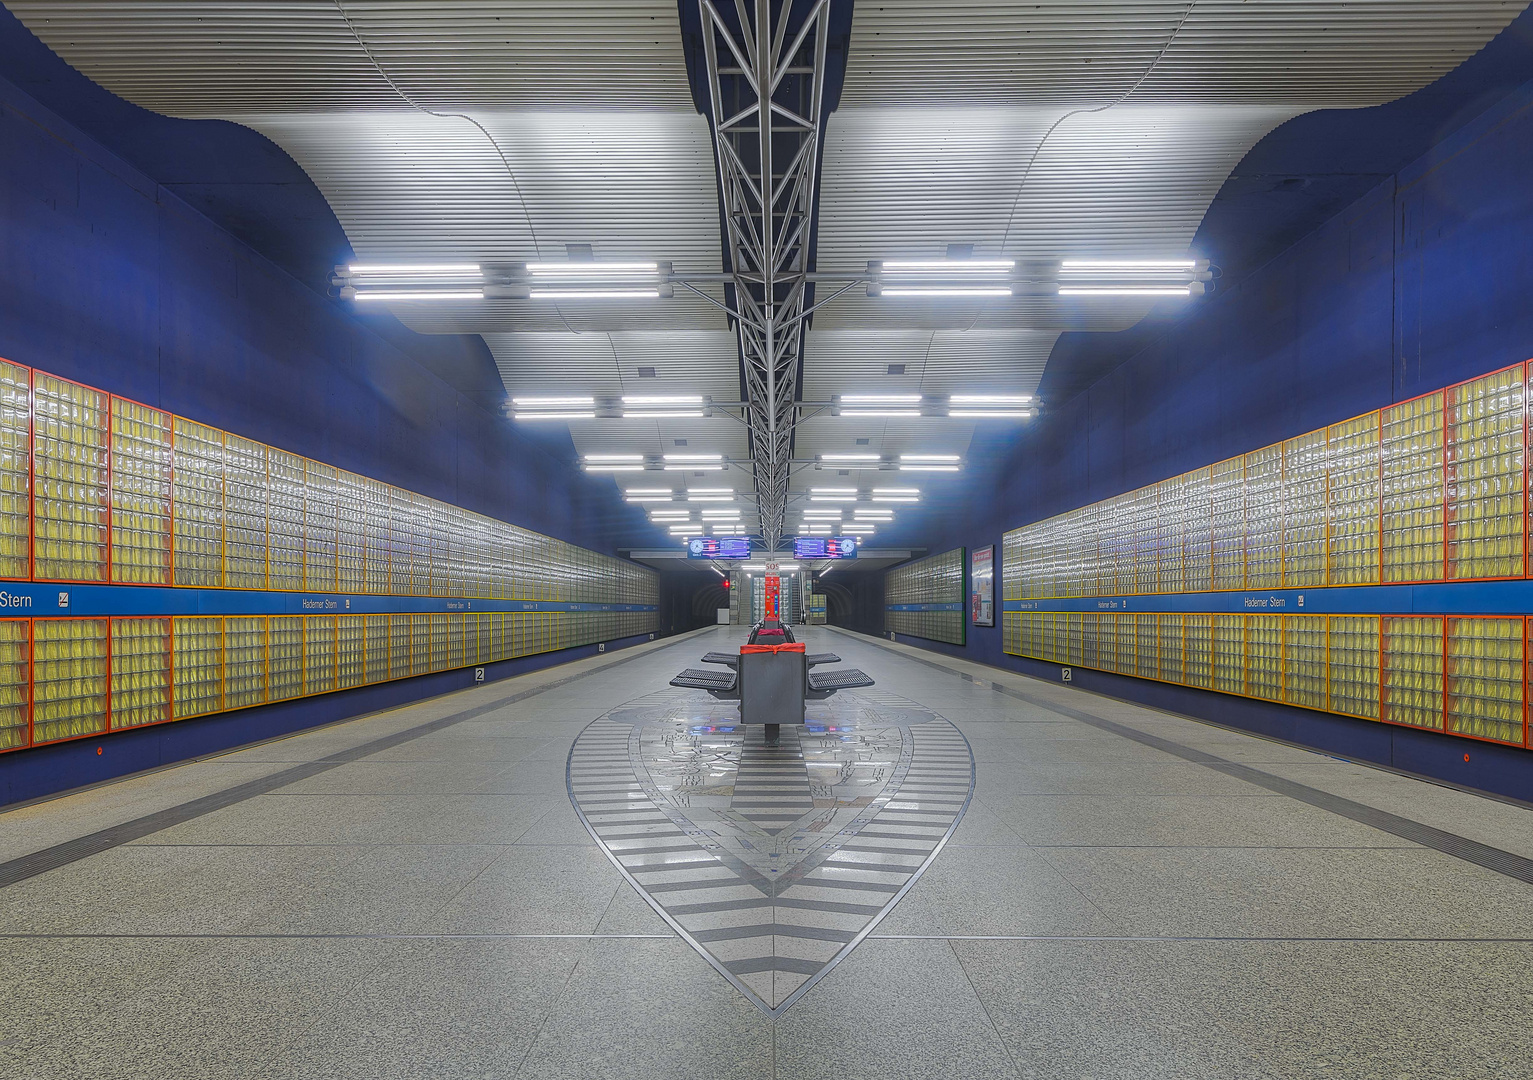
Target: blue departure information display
x=719 y=547
x=825 y=547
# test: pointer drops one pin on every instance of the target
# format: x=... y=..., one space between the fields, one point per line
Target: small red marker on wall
x=1466 y=757
x=98 y=751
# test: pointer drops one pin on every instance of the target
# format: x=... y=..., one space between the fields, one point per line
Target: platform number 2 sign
x=1064 y=674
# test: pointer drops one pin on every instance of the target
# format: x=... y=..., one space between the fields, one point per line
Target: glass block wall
x=925 y=598
x=153 y=568
x=1376 y=568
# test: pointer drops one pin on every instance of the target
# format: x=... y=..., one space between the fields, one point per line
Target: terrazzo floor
x=1106 y=909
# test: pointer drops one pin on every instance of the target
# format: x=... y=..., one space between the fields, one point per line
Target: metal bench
x=825 y=683
x=718 y=683
x=733 y=659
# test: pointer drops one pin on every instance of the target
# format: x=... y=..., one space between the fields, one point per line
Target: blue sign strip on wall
x=36 y=599
x=923 y=607
x=1442 y=598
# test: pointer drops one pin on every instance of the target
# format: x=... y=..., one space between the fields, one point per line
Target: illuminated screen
x=719 y=547
x=825 y=547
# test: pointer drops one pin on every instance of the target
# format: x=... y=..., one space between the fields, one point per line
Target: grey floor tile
x=1297 y=892
x=646 y=1008
x=532 y=890
x=438 y=1009
x=985 y=891
x=1178 y=820
x=1110 y=778
x=1103 y=1010
x=893 y=1010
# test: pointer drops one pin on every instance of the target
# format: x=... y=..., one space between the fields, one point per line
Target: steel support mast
x=766 y=70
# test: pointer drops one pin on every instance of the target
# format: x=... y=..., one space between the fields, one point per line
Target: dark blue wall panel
x=1422 y=282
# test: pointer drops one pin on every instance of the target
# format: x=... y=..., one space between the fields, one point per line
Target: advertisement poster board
x=982 y=586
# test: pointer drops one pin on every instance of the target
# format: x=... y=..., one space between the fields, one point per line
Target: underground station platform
x=588 y=872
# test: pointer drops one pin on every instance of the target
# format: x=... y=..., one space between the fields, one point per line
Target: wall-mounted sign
x=982 y=586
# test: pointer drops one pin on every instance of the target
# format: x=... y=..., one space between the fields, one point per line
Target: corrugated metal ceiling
x=1046 y=127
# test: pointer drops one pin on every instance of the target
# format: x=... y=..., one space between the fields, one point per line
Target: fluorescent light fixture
x=556 y=416
x=663 y=399
x=895 y=498
x=670 y=516
x=660 y=414
x=880 y=399
x=590 y=269
x=615 y=457
x=694 y=457
x=1013 y=414
x=694 y=468
x=710 y=491
x=850 y=457
x=594 y=294
x=648 y=498
x=928 y=468
x=985 y=399
x=832 y=491
x=945 y=292
x=833 y=498
x=928 y=457
x=648 y=491
x=417 y=294
x=1177 y=290
x=606 y=468
x=956 y=266
x=875 y=515
x=859 y=530
x=897 y=491
x=1127 y=264
x=553 y=403
x=415 y=269
x=710 y=498
x=879 y=412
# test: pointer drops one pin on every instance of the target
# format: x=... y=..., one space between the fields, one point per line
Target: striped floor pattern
x=771 y=862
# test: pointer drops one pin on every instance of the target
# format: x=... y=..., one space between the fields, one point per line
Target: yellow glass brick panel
x=1352 y=665
x=70 y=660
x=245 y=661
x=1411 y=480
x=1091 y=632
x=15 y=682
x=351 y=533
x=285 y=657
x=377 y=533
x=375 y=668
x=1484 y=525
x=199 y=665
x=500 y=636
x=1171 y=645
x=71 y=511
x=1305 y=469
x=1352 y=541
x=319 y=526
x=199 y=504
x=1170 y=521
x=441 y=642
x=1264 y=518
x=1413 y=671
x=1484 y=678
x=318 y=654
x=350 y=650
x=1107 y=641
x=1146 y=647
x=140 y=672
x=1304 y=661
x=1197 y=532
x=286 y=497
x=247 y=501
x=1227 y=509
x=401 y=652
x=457 y=641
x=141 y=477
x=1229 y=645
x=1264 y=657
x=420 y=644
x=15 y=473
x=1197 y=645
x=1075 y=639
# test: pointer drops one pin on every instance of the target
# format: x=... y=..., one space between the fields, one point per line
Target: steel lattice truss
x=766 y=65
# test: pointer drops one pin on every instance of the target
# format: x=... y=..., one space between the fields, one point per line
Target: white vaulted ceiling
x=1042 y=128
